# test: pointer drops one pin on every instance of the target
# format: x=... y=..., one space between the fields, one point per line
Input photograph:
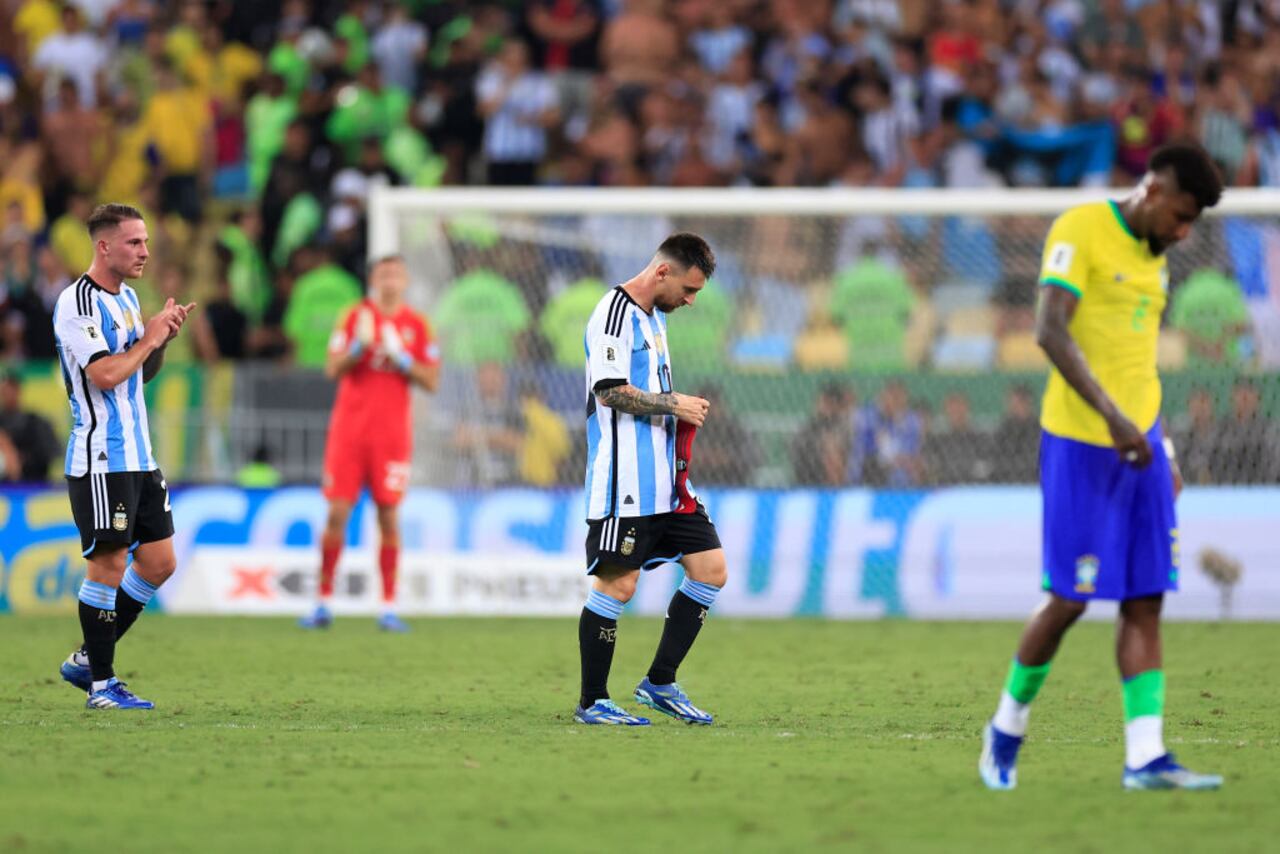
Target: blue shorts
x=1110 y=531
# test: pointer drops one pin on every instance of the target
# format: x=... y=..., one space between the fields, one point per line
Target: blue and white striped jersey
x=631 y=461
x=110 y=432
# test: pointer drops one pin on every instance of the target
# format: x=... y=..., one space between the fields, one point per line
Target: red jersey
x=373 y=397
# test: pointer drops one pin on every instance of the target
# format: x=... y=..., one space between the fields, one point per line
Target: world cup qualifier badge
x=629 y=542
x=1086 y=573
x=120 y=519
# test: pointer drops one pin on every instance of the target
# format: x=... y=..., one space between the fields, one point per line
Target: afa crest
x=120 y=519
x=1086 y=573
x=628 y=542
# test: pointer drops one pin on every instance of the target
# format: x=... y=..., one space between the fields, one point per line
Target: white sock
x=1143 y=740
x=1011 y=716
x=99 y=684
x=80 y=658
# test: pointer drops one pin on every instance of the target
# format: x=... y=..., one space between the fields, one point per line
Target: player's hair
x=393 y=258
x=109 y=216
x=1192 y=168
x=689 y=250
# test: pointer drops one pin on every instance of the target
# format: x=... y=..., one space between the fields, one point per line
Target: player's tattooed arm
x=153 y=363
x=627 y=398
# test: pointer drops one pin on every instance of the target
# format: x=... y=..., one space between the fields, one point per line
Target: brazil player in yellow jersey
x=1107 y=476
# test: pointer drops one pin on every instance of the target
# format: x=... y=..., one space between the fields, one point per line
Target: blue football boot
x=392 y=623
x=609 y=713
x=76 y=673
x=319 y=619
x=115 y=696
x=998 y=764
x=1164 y=772
x=670 y=700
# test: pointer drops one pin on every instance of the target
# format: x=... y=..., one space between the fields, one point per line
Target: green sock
x=1023 y=682
x=1144 y=695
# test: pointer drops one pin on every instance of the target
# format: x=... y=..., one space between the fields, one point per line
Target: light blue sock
x=136 y=587
x=98 y=595
x=604 y=605
x=703 y=594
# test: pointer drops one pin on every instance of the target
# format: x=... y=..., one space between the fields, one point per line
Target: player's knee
x=621 y=587
x=715 y=573
x=157 y=570
x=1067 y=610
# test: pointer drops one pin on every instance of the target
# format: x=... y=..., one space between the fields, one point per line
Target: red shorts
x=380 y=464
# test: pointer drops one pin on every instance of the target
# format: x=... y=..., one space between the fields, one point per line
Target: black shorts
x=125 y=508
x=646 y=542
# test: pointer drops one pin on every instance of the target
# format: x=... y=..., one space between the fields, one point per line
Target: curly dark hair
x=1192 y=168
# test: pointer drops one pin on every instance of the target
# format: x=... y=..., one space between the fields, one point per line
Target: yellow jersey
x=1122 y=289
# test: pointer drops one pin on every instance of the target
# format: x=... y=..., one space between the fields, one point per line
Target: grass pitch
x=829 y=736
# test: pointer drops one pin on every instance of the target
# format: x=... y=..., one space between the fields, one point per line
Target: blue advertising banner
x=963 y=552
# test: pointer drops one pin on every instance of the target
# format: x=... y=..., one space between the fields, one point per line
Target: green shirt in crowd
x=872 y=302
x=565 y=317
x=318 y=300
x=479 y=318
x=1210 y=309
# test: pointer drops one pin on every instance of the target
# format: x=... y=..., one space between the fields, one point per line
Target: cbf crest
x=1086 y=573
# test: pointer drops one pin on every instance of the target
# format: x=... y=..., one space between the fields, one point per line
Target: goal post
x=830 y=311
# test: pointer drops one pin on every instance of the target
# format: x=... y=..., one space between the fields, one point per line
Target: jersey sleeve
x=343 y=332
x=80 y=335
x=425 y=348
x=1066 y=263
x=609 y=346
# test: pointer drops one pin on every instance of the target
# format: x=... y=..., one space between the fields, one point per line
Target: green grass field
x=829 y=736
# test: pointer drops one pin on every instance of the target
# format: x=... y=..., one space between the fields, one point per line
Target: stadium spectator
x=1017 y=438
x=638 y=48
x=725 y=452
x=34 y=445
x=321 y=293
x=820 y=450
x=955 y=451
x=479 y=319
x=487 y=443
x=1195 y=435
x=221 y=328
x=887 y=441
x=1210 y=310
x=565 y=315
x=72 y=134
x=10 y=462
x=872 y=301
x=1247 y=448
x=179 y=123
x=398 y=47
x=71 y=52
x=247 y=270
x=68 y=235
x=518 y=105
x=545 y=445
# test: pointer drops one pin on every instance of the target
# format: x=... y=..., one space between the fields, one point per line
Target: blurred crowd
x=252 y=133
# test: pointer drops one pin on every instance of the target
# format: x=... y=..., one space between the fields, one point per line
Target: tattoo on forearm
x=151 y=366
x=628 y=398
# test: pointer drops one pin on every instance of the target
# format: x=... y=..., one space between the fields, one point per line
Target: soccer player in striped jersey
x=1108 y=476
x=119 y=498
x=641 y=510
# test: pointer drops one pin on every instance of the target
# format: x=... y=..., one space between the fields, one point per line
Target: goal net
x=873 y=338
